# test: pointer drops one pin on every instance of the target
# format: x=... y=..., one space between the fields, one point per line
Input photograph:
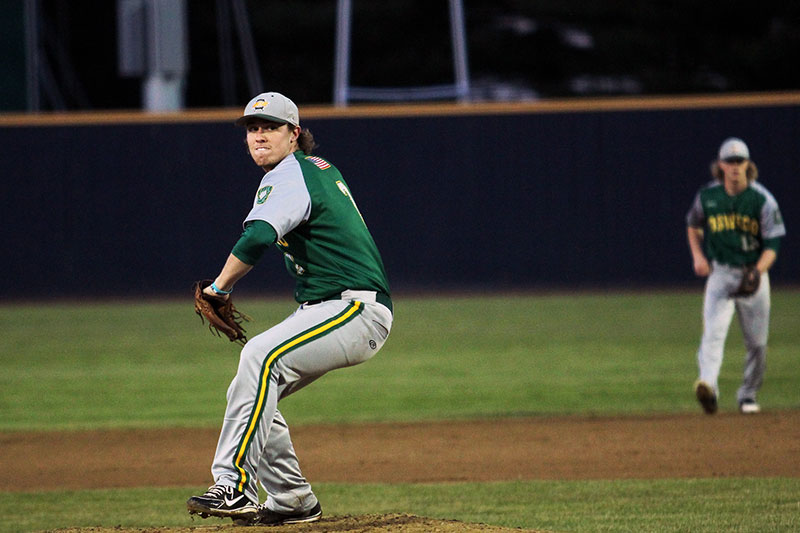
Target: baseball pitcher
x=305 y=208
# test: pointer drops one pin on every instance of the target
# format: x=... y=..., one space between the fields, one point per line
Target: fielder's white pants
x=718 y=309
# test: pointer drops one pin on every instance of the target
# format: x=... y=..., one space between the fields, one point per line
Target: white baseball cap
x=733 y=147
x=270 y=106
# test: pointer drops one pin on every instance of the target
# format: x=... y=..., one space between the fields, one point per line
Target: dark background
x=520 y=200
x=517 y=49
x=512 y=201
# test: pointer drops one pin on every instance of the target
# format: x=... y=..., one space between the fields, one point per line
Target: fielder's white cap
x=733 y=147
x=270 y=106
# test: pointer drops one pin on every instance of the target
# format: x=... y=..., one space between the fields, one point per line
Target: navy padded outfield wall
x=455 y=201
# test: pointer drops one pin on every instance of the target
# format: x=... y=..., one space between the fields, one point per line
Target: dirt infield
x=665 y=446
x=668 y=446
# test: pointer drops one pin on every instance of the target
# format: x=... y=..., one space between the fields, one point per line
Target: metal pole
x=341 y=79
x=255 y=83
x=167 y=55
x=458 y=36
x=32 y=54
x=225 y=47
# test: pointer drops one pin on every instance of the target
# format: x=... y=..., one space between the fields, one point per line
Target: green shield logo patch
x=263 y=194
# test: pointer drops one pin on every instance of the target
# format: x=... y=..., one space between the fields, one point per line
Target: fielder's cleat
x=223 y=501
x=706 y=396
x=267 y=517
x=749 y=407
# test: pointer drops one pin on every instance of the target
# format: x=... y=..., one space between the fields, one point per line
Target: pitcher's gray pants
x=254 y=444
x=718 y=309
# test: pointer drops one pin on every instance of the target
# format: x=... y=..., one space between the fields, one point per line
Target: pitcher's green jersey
x=325 y=241
x=736 y=229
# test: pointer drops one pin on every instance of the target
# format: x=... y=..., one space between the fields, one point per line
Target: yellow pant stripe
x=264 y=382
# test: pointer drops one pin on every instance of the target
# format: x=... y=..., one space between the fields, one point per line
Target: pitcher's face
x=270 y=142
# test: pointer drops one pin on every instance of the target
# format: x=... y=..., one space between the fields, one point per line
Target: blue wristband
x=218 y=290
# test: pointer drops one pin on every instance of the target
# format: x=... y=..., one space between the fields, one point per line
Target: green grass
x=146 y=364
x=697 y=505
x=153 y=364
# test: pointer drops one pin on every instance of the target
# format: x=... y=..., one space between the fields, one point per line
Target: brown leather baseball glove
x=222 y=315
x=751 y=278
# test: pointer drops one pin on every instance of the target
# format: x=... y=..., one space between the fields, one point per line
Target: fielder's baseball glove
x=222 y=315
x=751 y=278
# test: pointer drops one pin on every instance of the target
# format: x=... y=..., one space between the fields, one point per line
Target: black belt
x=380 y=297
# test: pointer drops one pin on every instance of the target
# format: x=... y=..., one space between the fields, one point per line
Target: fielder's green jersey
x=736 y=229
x=325 y=241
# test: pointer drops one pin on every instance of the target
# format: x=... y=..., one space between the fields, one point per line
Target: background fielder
x=734 y=222
x=305 y=208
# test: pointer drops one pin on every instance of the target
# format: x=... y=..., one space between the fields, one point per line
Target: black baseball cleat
x=706 y=396
x=223 y=501
x=267 y=517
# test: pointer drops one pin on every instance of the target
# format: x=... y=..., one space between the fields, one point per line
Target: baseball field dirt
x=645 y=447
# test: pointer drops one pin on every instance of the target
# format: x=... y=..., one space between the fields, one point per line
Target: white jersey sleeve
x=282 y=199
x=771 y=220
x=696 y=216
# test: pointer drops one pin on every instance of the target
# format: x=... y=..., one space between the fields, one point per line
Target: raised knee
x=251 y=354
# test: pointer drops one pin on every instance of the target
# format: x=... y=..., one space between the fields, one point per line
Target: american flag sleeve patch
x=319 y=162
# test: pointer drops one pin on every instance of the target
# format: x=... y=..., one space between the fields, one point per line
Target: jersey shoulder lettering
x=282 y=199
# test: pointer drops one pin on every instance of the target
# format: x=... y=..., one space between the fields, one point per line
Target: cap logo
x=260 y=104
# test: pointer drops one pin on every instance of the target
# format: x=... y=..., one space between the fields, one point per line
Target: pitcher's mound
x=373 y=523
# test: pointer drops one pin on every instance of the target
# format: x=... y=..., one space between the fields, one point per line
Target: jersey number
x=749 y=243
x=343 y=188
